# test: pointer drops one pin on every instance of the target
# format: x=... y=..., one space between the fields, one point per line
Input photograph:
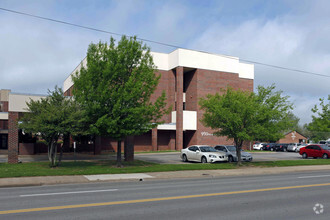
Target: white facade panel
x=246 y=70
x=3 y=115
x=166 y=127
x=189 y=120
x=173 y=59
x=68 y=82
x=17 y=102
x=201 y=60
x=160 y=60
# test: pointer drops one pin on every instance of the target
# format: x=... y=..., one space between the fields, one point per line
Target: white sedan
x=202 y=153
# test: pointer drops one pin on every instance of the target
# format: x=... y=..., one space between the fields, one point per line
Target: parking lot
x=163 y=158
x=174 y=157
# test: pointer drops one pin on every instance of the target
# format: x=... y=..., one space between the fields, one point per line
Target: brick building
x=293 y=137
x=12 y=106
x=186 y=76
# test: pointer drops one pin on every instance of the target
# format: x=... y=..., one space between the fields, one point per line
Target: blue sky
x=36 y=55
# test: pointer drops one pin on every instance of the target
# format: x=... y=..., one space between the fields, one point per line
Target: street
x=280 y=196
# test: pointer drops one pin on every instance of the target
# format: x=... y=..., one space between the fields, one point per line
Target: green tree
x=320 y=125
x=244 y=116
x=115 y=89
x=52 y=117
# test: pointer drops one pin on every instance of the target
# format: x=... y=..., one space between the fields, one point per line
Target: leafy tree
x=320 y=125
x=115 y=89
x=52 y=117
x=242 y=115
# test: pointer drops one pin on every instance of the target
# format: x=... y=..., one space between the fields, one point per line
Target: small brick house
x=293 y=137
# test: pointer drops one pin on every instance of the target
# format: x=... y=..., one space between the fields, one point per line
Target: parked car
x=269 y=146
x=281 y=147
x=293 y=146
x=315 y=150
x=202 y=153
x=300 y=146
x=258 y=146
x=230 y=151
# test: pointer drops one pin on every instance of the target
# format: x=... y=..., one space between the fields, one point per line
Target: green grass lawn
x=109 y=167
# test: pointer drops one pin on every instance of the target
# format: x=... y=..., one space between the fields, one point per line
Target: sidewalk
x=51 y=180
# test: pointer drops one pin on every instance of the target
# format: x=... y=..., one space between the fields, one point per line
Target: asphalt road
x=284 y=196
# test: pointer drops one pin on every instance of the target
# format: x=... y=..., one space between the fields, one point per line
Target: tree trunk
x=61 y=154
x=119 y=153
x=129 y=148
x=238 y=152
x=52 y=162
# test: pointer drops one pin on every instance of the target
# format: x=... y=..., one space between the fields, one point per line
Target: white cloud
x=297 y=41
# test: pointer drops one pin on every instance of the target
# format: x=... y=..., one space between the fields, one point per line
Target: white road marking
x=63 y=193
x=305 y=177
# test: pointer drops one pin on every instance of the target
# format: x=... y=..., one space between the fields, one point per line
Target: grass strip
x=109 y=167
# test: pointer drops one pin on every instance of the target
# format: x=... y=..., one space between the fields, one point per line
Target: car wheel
x=325 y=156
x=184 y=158
x=204 y=160
x=271 y=149
x=304 y=155
x=285 y=150
x=230 y=159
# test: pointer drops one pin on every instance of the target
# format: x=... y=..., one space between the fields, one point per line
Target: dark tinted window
x=219 y=148
x=192 y=148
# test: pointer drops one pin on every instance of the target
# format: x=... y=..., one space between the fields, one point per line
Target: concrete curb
x=51 y=180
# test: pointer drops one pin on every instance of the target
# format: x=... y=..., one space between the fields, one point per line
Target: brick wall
x=293 y=137
x=3 y=106
x=211 y=82
x=4 y=124
x=12 y=137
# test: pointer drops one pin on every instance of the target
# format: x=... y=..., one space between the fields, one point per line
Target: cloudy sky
x=36 y=55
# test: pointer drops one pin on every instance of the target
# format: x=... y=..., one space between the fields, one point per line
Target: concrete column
x=13 y=137
x=154 y=139
x=179 y=108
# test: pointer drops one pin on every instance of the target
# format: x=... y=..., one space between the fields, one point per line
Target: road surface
x=304 y=195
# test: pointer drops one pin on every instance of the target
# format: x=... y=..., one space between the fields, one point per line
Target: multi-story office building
x=186 y=76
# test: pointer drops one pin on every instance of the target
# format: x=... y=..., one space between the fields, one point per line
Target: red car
x=315 y=150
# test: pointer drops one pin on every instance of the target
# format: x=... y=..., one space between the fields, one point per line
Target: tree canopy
x=115 y=89
x=52 y=117
x=320 y=125
x=242 y=115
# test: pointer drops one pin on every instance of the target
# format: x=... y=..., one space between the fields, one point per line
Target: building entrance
x=3 y=141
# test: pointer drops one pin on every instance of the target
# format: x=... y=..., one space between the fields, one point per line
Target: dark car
x=281 y=147
x=315 y=150
x=269 y=146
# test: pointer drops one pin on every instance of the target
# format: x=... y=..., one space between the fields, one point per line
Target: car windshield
x=231 y=148
x=207 y=149
x=325 y=147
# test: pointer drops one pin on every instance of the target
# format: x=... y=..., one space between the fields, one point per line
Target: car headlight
x=212 y=156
